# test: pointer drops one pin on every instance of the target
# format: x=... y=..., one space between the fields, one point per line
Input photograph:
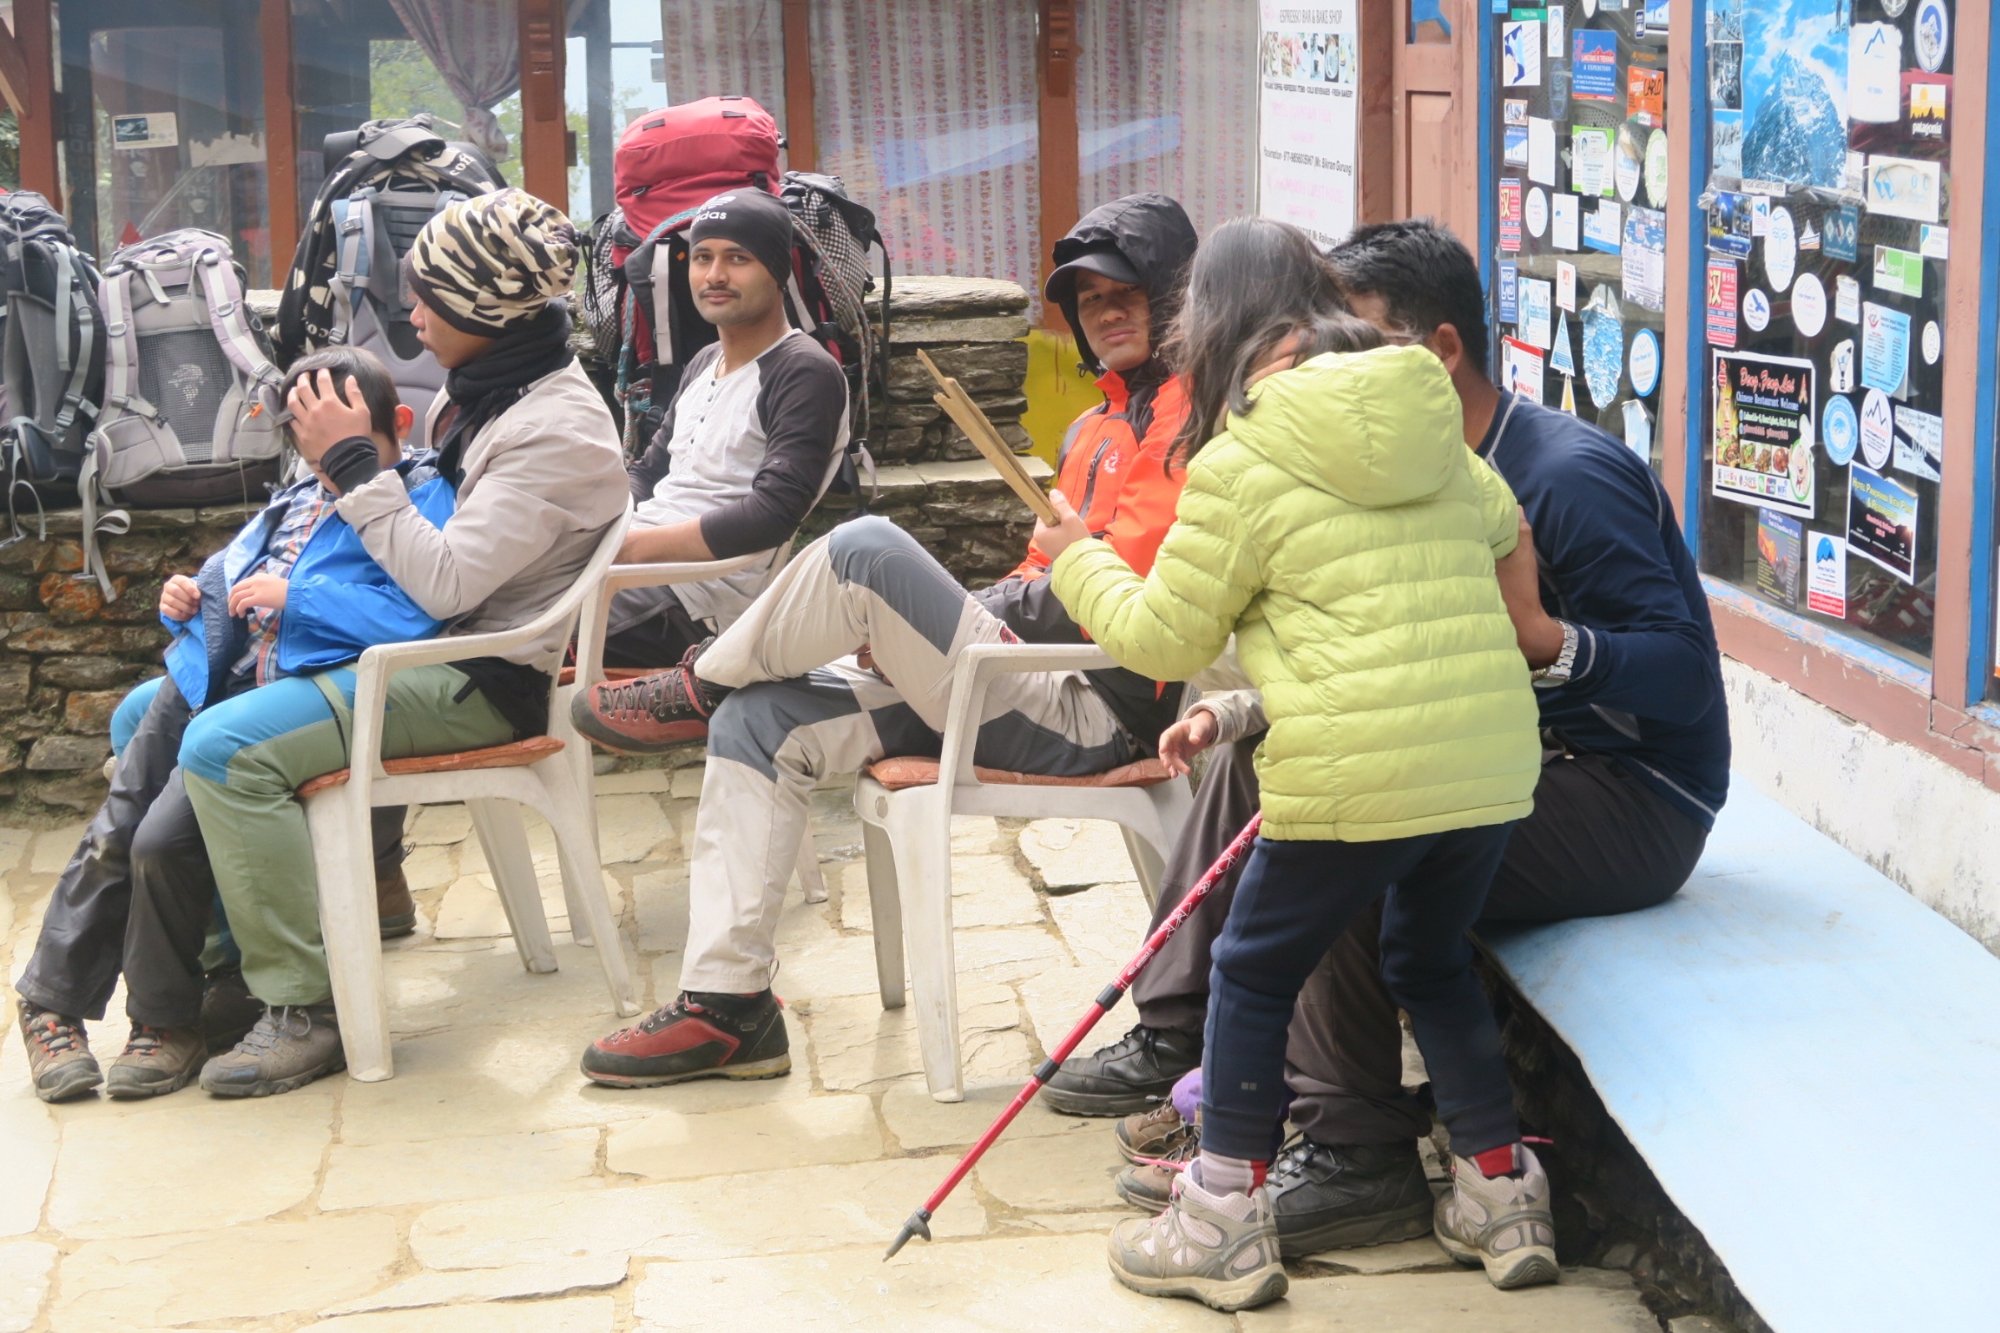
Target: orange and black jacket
x=1114 y=470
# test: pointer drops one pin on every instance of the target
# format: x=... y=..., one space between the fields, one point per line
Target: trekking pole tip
x=918 y=1225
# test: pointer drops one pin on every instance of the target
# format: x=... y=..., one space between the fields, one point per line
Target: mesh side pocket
x=186 y=376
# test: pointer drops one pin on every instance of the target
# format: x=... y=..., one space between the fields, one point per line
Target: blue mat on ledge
x=1809 y=1060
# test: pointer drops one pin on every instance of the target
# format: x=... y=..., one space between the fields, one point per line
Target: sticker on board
x=1603 y=347
x=1840 y=367
x=1781 y=251
x=1629 y=164
x=1843 y=234
x=1933 y=34
x=1521 y=369
x=1809 y=305
x=1933 y=343
x=1878 y=428
x=1562 y=356
x=1762 y=431
x=1826 y=577
x=1840 y=429
x=1874 y=73
x=1756 y=310
x=1509 y=293
x=1930 y=109
x=1521 y=54
x=1721 y=302
x=1657 y=167
x=1901 y=187
x=1565 y=286
x=1538 y=212
x=1885 y=348
x=1565 y=224
x=1882 y=522
x=1642 y=363
x=1919 y=444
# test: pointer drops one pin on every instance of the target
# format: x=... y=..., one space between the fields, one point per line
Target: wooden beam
x=281 y=132
x=13 y=71
x=801 y=118
x=1055 y=77
x=34 y=33
x=1375 y=123
x=544 y=126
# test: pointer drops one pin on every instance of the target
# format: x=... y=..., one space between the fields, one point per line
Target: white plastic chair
x=538 y=772
x=590 y=669
x=906 y=833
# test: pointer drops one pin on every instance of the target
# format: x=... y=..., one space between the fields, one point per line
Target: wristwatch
x=1557 y=672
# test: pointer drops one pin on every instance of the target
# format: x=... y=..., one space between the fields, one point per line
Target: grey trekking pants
x=802 y=710
x=1599 y=842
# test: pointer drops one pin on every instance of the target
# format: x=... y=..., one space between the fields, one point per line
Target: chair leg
x=811 y=882
x=920 y=832
x=343 y=859
x=578 y=757
x=513 y=868
x=886 y=907
x=573 y=816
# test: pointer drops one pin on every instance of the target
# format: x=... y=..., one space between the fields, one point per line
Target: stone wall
x=67 y=656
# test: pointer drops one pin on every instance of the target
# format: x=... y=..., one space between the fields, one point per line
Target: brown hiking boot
x=393 y=904
x=59 y=1058
x=289 y=1048
x=650 y=713
x=156 y=1061
x=1154 y=1133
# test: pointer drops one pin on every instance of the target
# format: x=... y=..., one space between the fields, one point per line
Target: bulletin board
x=1827 y=249
x=1579 y=290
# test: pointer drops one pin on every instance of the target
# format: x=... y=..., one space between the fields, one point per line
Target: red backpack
x=672 y=160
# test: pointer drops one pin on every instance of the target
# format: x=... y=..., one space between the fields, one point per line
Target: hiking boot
x=1135 y=1073
x=59 y=1058
x=699 y=1035
x=1336 y=1198
x=1222 y=1250
x=1150 y=1134
x=1502 y=1222
x=393 y=904
x=228 y=1009
x=648 y=713
x=156 y=1061
x=290 y=1047
x=1148 y=1184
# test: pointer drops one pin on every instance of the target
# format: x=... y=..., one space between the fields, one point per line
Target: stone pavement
x=489 y=1187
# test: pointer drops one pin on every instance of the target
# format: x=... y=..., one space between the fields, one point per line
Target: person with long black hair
x=1335 y=524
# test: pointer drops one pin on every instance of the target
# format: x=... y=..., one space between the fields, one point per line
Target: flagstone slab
x=439 y=825
x=1586 y=1298
x=591 y=1314
x=28 y=1139
x=988 y=1286
x=490 y=1284
x=768 y=1212
x=1072 y=1170
x=1423 y=1255
x=817 y=1131
x=54 y=848
x=187 y=1162
x=244 y=1273
x=986 y=890
x=1076 y=853
x=920 y=1121
x=388 y=1175
x=1104 y=925
x=860 y=1046
x=25 y=1266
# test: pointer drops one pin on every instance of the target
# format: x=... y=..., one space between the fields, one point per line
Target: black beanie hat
x=757 y=221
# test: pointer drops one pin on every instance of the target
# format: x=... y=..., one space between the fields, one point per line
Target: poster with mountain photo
x=1795 y=92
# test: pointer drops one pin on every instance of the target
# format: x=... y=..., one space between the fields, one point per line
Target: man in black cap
x=752 y=438
x=783 y=705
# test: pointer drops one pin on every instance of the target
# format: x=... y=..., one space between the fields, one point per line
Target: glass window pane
x=177 y=137
x=927 y=108
x=1580 y=268
x=614 y=71
x=1822 y=396
x=1166 y=95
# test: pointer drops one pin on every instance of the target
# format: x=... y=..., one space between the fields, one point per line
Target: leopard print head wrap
x=487 y=263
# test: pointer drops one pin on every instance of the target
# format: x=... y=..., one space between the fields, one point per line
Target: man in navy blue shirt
x=1611 y=615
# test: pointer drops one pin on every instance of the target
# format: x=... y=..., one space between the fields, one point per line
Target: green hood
x=1373 y=428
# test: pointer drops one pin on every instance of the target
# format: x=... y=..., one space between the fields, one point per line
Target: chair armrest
x=596 y=621
x=974 y=673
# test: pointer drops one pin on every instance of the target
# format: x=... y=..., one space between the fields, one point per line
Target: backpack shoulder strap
x=121 y=352
x=226 y=315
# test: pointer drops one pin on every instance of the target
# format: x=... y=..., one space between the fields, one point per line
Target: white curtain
x=721 y=48
x=1167 y=100
x=927 y=108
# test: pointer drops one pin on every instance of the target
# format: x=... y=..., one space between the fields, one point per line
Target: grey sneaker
x=1503 y=1224
x=290 y=1047
x=156 y=1061
x=1222 y=1250
x=1145 y=1135
x=59 y=1058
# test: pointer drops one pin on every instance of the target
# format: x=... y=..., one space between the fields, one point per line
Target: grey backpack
x=191 y=411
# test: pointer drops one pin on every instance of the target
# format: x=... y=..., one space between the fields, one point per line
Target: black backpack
x=384 y=182
x=51 y=351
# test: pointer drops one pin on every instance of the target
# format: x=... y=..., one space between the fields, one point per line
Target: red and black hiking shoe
x=697 y=1036
x=648 y=713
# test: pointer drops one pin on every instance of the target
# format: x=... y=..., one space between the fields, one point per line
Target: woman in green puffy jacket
x=1341 y=529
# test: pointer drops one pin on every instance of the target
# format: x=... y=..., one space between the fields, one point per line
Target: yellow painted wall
x=1057 y=391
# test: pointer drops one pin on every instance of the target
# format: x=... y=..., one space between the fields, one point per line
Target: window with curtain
x=1167 y=101
x=718 y=48
x=928 y=110
x=614 y=71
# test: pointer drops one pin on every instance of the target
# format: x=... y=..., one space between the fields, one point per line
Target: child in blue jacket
x=293 y=594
